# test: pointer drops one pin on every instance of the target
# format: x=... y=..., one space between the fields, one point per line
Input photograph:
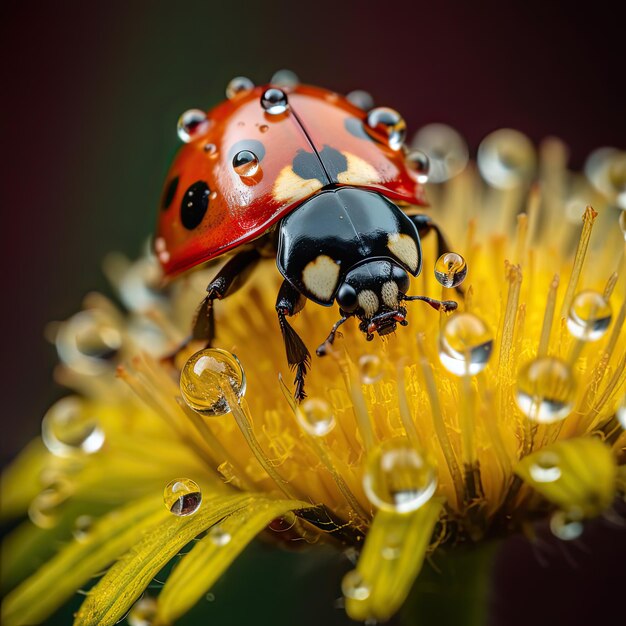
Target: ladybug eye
x=347 y=298
x=401 y=278
x=246 y=163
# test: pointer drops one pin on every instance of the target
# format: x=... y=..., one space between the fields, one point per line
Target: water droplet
x=82 y=527
x=203 y=376
x=70 y=427
x=182 y=497
x=387 y=126
x=392 y=546
x=370 y=368
x=419 y=165
x=264 y=128
x=545 y=468
x=621 y=413
x=246 y=163
x=617 y=179
x=192 y=124
x=316 y=417
x=506 y=158
x=46 y=505
x=546 y=390
x=465 y=345
x=138 y=286
x=450 y=269
x=211 y=150
x=354 y=587
x=446 y=149
x=285 y=79
x=143 y=612
x=622 y=222
x=219 y=536
x=238 y=86
x=566 y=525
x=210 y=597
x=397 y=477
x=274 y=101
x=361 y=99
x=589 y=316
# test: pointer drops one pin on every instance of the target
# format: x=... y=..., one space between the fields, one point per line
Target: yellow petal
x=57 y=580
x=583 y=475
x=391 y=559
x=125 y=581
x=204 y=564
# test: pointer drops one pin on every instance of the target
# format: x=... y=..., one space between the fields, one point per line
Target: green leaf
x=204 y=564
x=112 y=535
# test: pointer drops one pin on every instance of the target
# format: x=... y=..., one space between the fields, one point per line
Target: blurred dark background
x=91 y=93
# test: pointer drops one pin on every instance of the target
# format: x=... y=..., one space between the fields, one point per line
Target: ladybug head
x=372 y=292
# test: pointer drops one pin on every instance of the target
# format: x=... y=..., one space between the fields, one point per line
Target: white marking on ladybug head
x=358 y=172
x=320 y=277
x=404 y=248
x=289 y=187
x=389 y=292
x=368 y=301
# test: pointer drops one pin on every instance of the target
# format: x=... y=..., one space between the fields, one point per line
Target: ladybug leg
x=438 y=305
x=322 y=350
x=228 y=280
x=288 y=303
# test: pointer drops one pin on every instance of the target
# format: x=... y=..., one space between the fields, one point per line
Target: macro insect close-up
x=336 y=344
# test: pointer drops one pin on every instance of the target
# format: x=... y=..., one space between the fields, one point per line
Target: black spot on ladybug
x=194 y=206
x=307 y=165
x=169 y=194
x=355 y=127
x=334 y=162
x=252 y=145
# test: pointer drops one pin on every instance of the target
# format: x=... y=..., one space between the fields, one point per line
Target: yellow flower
x=456 y=429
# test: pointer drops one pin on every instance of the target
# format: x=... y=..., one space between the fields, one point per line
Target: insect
x=305 y=175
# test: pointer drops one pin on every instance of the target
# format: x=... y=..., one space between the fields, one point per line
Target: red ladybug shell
x=319 y=140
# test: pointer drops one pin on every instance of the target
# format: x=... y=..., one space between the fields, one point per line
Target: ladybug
x=306 y=176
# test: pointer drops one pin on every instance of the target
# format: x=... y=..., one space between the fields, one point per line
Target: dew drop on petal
x=370 y=369
x=387 y=126
x=450 y=269
x=218 y=536
x=418 y=164
x=316 y=417
x=465 y=345
x=143 y=612
x=182 y=497
x=589 y=316
x=246 y=163
x=397 y=477
x=70 y=427
x=45 y=507
x=274 y=101
x=82 y=527
x=354 y=587
x=546 y=467
x=203 y=377
x=285 y=79
x=361 y=99
x=506 y=158
x=238 y=86
x=621 y=413
x=192 y=124
x=566 y=525
x=446 y=149
x=546 y=390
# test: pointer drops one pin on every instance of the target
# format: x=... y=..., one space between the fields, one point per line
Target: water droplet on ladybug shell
x=274 y=101
x=238 y=86
x=361 y=99
x=246 y=163
x=387 y=126
x=418 y=164
x=285 y=79
x=192 y=124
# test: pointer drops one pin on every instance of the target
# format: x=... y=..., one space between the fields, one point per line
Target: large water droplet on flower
x=143 y=612
x=192 y=124
x=589 y=316
x=316 y=417
x=70 y=427
x=219 y=536
x=285 y=79
x=566 y=525
x=446 y=150
x=397 y=477
x=204 y=376
x=274 y=101
x=182 y=497
x=246 y=163
x=387 y=126
x=370 y=369
x=465 y=345
x=506 y=158
x=450 y=269
x=354 y=587
x=546 y=390
x=418 y=165
x=238 y=86
x=546 y=467
x=361 y=99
